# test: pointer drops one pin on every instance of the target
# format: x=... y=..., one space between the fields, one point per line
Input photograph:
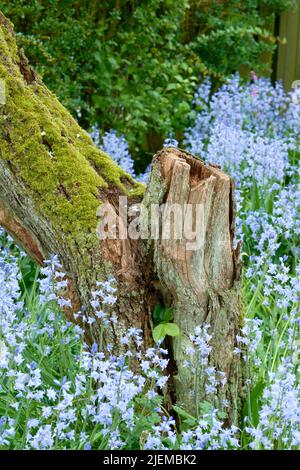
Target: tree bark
x=52 y=182
x=202 y=282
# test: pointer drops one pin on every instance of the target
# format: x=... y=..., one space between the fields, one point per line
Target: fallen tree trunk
x=52 y=182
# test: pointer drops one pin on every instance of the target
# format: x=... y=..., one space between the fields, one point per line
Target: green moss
x=61 y=169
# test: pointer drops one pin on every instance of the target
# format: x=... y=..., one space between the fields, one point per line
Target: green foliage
x=234 y=35
x=253 y=404
x=133 y=66
x=161 y=317
x=162 y=314
x=187 y=421
x=165 y=329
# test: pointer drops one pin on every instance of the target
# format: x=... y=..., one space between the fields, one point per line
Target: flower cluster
x=252 y=130
x=247 y=129
x=117 y=148
x=198 y=356
x=55 y=390
x=279 y=415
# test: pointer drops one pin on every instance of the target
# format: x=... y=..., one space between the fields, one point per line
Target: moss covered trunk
x=52 y=182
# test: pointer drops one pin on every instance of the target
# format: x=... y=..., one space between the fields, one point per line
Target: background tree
x=134 y=66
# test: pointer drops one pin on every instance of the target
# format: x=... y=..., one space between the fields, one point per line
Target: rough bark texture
x=202 y=283
x=52 y=181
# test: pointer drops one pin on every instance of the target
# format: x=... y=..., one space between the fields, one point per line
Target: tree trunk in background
x=52 y=182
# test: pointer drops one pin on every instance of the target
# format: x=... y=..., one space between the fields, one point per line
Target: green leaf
x=172 y=86
x=255 y=402
x=255 y=196
x=172 y=329
x=183 y=414
x=156 y=314
x=167 y=314
x=159 y=332
x=206 y=407
x=163 y=329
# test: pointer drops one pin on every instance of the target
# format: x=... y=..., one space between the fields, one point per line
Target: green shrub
x=134 y=66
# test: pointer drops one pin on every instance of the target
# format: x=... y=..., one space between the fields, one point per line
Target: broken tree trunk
x=53 y=181
x=199 y=272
